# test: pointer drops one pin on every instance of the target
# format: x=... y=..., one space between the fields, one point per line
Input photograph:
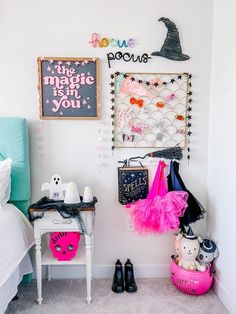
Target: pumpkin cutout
x=64 y=245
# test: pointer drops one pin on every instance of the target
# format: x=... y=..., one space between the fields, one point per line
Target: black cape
x=195 y=210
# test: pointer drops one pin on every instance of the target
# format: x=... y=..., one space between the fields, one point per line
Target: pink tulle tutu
x=161 y=210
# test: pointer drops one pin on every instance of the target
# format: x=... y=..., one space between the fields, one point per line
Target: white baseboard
x=222 y=293
x=106 y=271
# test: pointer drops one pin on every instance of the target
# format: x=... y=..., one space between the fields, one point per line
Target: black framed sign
x=68 y=88
x=133 y=184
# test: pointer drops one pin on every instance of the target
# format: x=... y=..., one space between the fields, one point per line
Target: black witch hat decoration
x=171 y=48
x=189 y=234
x=208 y=246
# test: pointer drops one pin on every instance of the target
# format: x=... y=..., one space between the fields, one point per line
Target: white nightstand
x=52 y=221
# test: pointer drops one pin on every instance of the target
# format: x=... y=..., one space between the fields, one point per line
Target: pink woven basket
x=189 y=281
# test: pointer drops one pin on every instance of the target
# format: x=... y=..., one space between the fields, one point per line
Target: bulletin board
x=68 y=88
x=150 y=109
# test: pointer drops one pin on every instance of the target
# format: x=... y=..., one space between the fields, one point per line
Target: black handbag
x=132 y=183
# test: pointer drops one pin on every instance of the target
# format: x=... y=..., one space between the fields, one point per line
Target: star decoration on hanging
x=77 y=63
x=113 y=116
x=132 y=79
x=51 y=61
x=113 y=147
x=172 y=81
x=112 y=92
x=190 y=100
x=112 y=84
x=189 y=117
x=117 y=73
x=147 y=83
x=190 y=76
x=189 y=125
x=140 y=81
x=125 y=75
x=112 y=100
x=112 y=76
x=179 y=77
x=84 y=102
x=189 y=109
x=59 y=62
x=112 y=107
x=68 y=63
x=86 y=61
x=189 y=133
x=190 y=93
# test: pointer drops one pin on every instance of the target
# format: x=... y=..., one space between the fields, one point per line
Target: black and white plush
x=208 y=252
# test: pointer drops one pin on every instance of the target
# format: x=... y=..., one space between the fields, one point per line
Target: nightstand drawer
x=54 y=221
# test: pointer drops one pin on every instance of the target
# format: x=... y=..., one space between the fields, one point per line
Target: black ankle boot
x=130 y=284
x=118 y=278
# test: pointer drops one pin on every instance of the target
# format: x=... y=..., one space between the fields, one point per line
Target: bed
x=16 y=233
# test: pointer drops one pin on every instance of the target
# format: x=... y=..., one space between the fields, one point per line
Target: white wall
x=222 y=149
x=29 y=29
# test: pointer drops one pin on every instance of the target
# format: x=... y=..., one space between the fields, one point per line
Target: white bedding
x=9 y=289
x=16 y=238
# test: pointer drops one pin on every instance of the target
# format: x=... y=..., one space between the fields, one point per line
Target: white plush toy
x=207 y=253
x=56 y=188
x=189 y=249
x=178 y=238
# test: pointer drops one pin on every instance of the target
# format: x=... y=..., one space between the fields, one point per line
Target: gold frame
x=39 y=61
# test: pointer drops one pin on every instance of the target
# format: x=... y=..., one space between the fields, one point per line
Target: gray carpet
x=154 y=296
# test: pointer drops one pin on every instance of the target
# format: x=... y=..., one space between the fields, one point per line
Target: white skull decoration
x=64 y=245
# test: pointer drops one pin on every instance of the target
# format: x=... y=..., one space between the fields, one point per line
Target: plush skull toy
x=56 y=188
x=189 y=249
x=207 y=253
